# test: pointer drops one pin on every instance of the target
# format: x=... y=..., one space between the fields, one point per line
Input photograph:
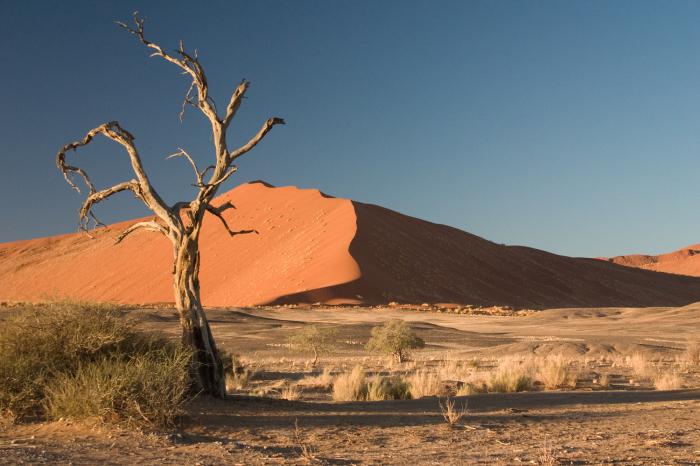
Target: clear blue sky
x=567 y=126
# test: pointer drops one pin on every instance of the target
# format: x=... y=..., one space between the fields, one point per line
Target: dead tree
x=181 y=222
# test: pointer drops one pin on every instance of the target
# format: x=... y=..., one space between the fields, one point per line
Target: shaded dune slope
x=409 y=260
x=315 y=248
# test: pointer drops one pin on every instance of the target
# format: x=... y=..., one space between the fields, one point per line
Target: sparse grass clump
x=668 y=381
x=322 y=381
x=556 y=372
x=512 y=375
x=691 y=356
x=388 y=388
x=85 y=360
x=450 y=412
x=424 y=383
x=640 y=365
x=237 y=375
x=290 y=392
x=350 y=386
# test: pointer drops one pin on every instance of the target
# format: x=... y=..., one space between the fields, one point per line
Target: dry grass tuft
x=350 y=386
x=691 y=356
x=323 y=381
x=306 y=451
x=512 y=375
x=290 y=392
x=556 y=372
x=424 y=383
x=547 y=457
x=385 y=388
x=668 y=381
x=640 y=365
x=450 y=412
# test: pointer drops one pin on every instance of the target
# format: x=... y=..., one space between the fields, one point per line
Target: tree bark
x=195 y=327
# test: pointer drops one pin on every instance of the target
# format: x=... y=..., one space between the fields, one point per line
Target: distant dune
x=685 y=261
x=315 y=248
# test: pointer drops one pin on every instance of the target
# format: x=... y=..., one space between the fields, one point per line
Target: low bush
x=92 y=354
x=315 y=340
x=149 y=387
x=396 y=338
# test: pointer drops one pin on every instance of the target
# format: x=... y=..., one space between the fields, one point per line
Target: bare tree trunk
x=180 y=222
x=195 y=327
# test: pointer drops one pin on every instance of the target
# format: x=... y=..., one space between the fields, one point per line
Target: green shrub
x=43 y=347
x=149 y=387
x=394 y=337
x=315 y=340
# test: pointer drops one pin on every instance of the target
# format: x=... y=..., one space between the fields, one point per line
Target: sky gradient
x=572 y=127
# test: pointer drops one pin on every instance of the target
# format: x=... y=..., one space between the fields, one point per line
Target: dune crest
x=312 y=247
x=685 y=261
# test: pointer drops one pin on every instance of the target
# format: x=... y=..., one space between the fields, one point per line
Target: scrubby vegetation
x=396 y=338
x=84 y=360
x=315 y=340
x=350 y=386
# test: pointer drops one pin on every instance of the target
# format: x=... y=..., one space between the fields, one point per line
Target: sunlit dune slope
x=685 y=261
x=314 y=248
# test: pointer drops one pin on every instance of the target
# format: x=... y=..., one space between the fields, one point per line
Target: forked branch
x=188 y=63
x=141 y=186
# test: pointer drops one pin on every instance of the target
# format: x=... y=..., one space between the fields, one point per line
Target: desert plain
x=611 y=413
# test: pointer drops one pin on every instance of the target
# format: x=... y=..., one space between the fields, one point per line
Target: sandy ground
x=584 y=426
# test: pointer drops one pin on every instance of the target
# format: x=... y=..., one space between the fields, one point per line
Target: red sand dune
x=685 y=261
x=315 y=248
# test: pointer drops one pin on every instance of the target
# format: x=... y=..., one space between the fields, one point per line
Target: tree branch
x=150 y=226
x=99 y=196
x=182 y=153
x=189 y=64
x=236 y=99
x=217 y=211
x=266 y=127
x=141 y=187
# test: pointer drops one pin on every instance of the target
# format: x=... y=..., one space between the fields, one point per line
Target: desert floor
x=621 y=421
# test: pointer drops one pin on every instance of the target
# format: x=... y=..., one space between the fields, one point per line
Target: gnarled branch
x=99 y=196
x=266 y=127
x=188 y=63
x=199 y=174
x=151 y=225
x=236 y=99
x=217 y=212
x=141 y=187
